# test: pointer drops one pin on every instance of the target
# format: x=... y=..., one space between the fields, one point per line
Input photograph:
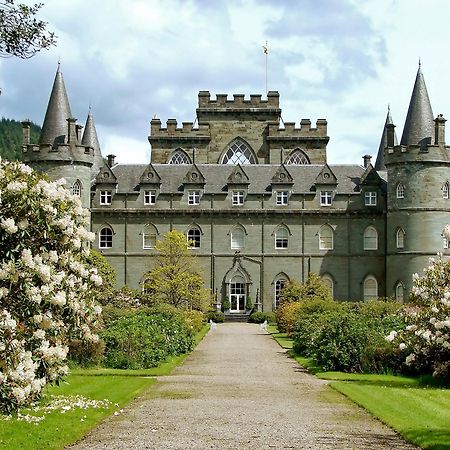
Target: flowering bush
x=46 y=289
x=426 y=339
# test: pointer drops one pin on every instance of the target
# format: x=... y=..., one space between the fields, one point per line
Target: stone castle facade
x=257 y=201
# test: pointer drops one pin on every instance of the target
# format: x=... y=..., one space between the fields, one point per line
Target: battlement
x=305 y=130
x=63 y=153
x=172 y=130
x=238 y=102
x=416 y=153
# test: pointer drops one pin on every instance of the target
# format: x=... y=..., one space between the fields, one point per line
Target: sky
x=340 y=60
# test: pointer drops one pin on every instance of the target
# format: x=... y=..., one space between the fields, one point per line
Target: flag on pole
x=265 y=49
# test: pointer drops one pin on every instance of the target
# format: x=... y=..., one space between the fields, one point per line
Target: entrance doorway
x=237 y=295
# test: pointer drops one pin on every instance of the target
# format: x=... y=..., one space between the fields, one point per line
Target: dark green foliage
x=146 y=337
x=11 y=138
x=260 y=317
x=215 y=316
x=86 y=354
x=226 y=304
x=248 y=303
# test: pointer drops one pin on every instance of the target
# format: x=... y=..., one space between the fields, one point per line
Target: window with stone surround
x=149 y=197
x=193 y=237
x=399 y=292
x=282 y=198
x=370 y=198
x=105 y=238
x=326 y=238
x=76 y=188
x=237 y=238
x=400 y=190
x=237 y=198
x=326 y=198
x=179 y=157
x=281 y=238
x=238 y=153
x=370 y=288
x=400 y=238
x=105 y=197
x=297 y=157
x=194 y=197
x=445 y=190
x=370 y=238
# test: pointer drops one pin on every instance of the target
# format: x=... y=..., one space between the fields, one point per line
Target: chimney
x=72 y=130
x=111 y=160
x=79 y=128
x=390 y=134
x=367 y=159
x=26 y=124
x=439 y=130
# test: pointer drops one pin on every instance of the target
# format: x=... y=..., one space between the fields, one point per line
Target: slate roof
x=216 y=176
x=379 y=164
x=90 y=139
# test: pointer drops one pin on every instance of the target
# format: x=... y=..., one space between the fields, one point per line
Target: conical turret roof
x=379 y=164
x=419 y=124
x=54 y=129
x=90 y=139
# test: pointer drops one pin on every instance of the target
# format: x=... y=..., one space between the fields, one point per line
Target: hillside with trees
x=11 y=138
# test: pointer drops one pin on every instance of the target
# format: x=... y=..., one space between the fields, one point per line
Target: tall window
x=399 y=292
x=400 y=190
x=370 y=238
x=193 y=238
x=297 y=157
x=282 y=198
x=179 y=157
x=326 y=238
x=326 y=198
x=370 y=198
x=149 y=197
x=279 y=285
x=445 y=190
x=400 y=238
x=281 y=238
x=370 y=288
x=444 y=242
x=329 y=283
x=237 y=198
x=193 y=197
x=238 y=153
x=148 y=240
x=105 y=197
x=237 y=238
x=105 y=238
x=76 y=188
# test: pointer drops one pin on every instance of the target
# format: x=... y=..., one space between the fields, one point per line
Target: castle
x=257 y=201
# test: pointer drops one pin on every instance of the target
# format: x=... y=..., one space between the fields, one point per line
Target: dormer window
x=105 y=197
x=370 y=198
x=149 y=197
x=400 y=190
x=282 y=198
x=194 y=197
x=237 y=198
x=326 y=198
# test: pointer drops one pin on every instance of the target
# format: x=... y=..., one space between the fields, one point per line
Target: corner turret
x=379 y=164
x=90 y=139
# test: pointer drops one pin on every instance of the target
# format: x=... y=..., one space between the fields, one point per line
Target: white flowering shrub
x=426 y=339
x=46 y=290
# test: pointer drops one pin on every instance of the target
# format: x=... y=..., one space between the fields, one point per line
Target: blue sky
x=341 y=60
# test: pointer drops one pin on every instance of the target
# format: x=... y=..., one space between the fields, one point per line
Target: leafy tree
x=312 y=288
x=21 y=33
x=174 y=279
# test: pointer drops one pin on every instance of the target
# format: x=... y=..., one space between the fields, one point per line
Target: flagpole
x=266 y=52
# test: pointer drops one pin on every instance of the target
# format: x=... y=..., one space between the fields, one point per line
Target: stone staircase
x=236 y=317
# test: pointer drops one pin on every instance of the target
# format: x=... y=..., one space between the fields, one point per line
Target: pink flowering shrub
x=425 y=341
x=46 y=290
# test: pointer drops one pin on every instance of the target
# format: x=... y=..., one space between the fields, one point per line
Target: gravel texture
x=239 y=390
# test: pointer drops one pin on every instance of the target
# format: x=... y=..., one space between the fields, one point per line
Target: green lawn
x=414 y=406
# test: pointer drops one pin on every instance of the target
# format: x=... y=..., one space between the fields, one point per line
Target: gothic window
x=370 y=287
x=282 y=198
x=237 y=236
x=281 y=237
x=326 y=238
x=326 y=198
x=444 y=241
x=328 y=282
x=370 y=198
x=370 y=238
x=76 y=188
x=279 y=285
x=237 y=198
x=149 y=235
x=105 y=238
x=445 y=188
x=399 y=292
x=193 y=237
x=400 y=238
x=238 y=153
x=179 y=157
x=297 y=157
x=105 y=197
x=193 y=197
x=400 y=190
x=149 y=197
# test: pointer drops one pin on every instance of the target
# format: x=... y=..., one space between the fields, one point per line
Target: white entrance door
x=237 y=296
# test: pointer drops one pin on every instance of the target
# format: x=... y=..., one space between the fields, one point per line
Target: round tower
x=59 y=153
x=418 y=204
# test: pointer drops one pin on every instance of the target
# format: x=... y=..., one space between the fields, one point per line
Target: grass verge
x=413 y=406
x=63 y=427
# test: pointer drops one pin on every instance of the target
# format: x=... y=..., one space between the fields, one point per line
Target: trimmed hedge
x=260 y=317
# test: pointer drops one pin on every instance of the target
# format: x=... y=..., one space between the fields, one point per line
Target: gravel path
x=239 y=390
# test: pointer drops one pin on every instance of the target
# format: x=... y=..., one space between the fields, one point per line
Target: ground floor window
x=279 y=285
x=370 y=288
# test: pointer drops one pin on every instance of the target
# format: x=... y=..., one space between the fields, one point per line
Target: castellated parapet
x=291 y=131
x=239 y=101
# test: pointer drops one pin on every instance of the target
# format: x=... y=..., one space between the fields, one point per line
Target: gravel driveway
x=239 y=390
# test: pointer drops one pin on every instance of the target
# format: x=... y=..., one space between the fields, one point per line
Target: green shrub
x=215 y=316
x=226 y=304
x=86 y=353
x=260 y=317
x=194 y=320
x=248 y=303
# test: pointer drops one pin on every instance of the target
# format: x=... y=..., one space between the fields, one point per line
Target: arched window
x=149 y=234
x=105 y=238
x=297 y=157
x=326 y=238
x=400 y=190
x=370 y=238
x=76 y=188
x=193 y=237
x=238 y=153
x=237 y=238
x=279 y=285
x=281 y=237
x=179 y=157
x=400 y=238
x=445 y=190
x=370 y=287
x=328 y=281
x=400 y=292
